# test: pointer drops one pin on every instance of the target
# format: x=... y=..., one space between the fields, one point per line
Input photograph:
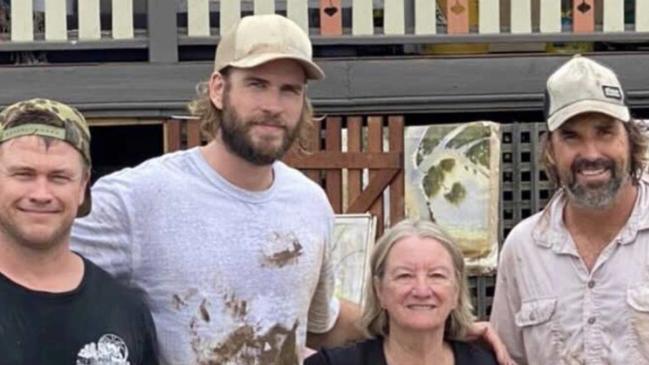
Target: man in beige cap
x=230 y=245
x=57 y=307
x=573 y=282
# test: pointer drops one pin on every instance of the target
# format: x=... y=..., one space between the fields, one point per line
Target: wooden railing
x=78 y=22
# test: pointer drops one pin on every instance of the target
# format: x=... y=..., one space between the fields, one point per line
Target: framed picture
x=353 y=240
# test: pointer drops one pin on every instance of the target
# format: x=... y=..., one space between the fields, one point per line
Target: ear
x=216 y=87
x=85 y=180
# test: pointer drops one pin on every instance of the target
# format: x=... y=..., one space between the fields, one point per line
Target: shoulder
x=108 y=290
x=367 y=352
x=299 y=185
x=467 y=353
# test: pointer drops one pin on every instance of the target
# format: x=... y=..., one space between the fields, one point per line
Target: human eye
x=60 y=178
x=22 y=174
x=256 y=84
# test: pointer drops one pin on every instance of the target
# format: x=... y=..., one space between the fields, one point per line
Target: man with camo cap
x=57 y=307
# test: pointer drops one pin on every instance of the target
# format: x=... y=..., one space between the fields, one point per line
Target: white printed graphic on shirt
x=109 y=350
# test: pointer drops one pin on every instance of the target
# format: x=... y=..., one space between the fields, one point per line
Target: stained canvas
x=452 y=176
x=353 y=239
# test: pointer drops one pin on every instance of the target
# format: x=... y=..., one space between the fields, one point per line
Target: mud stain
x=277 y=346
x=205 y=314
x=293 y=250
x=179 y=301
x=237 y=308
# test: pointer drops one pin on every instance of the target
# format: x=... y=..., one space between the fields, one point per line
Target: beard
x=42 y=239
x=237 y=138
x=594 y=196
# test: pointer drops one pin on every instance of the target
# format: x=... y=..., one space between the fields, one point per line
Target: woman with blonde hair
x=417 y=308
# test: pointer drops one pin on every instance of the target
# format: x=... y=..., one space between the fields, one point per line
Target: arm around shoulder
x=347 y=328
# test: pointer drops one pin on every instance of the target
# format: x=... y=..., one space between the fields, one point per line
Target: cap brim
x=313 y=72
x=616 y=111
x=84 y=209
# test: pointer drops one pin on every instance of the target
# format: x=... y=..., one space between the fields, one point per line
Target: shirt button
x=591 y=320
x=591 y=284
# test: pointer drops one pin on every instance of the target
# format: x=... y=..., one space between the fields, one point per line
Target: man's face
x=262 y=108
x=42 y=188
x=592 y=156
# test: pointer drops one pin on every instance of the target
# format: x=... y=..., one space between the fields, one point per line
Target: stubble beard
x=20 y=236
x=235 y=134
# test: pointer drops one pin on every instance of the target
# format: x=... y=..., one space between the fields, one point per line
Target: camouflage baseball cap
x=66 y=124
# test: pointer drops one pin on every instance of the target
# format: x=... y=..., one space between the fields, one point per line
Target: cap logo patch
x=612 y=92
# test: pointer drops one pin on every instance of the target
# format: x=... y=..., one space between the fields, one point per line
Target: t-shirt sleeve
x=317 y=359
x=105 y=236
x=324 y=307
x=150 y=349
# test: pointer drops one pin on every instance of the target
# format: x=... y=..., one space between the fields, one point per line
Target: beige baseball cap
x=257 y=39
x=582 y=85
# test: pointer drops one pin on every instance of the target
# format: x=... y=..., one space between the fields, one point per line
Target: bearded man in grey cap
x=572 y=282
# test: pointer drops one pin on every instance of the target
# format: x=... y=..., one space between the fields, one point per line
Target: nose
x=421 y=288
x=41 y=192
x=590 y=150
x=271 y=102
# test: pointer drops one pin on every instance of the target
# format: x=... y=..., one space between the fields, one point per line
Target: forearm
x=347 y=328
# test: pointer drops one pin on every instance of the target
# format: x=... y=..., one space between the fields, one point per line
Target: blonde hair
x=375 y=319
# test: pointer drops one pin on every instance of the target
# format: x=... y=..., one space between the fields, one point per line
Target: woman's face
x=418 y=289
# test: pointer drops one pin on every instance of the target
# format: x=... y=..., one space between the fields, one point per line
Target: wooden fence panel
x=457 y=16
x=375 y=144
x=398 y=184
x=56 y=23
x=331 y=21
x=89 y=21
x=362 y=17
x=354 y=144
x=122 y=19
x=613 y=16
x=198 y=18
x=425 y=17
x=22 y=25
x=550 y=14
x=583 y=16
x=521 y=16
x=333 y=185
x=394 y=17
x=642 y=15
x=489 y=16
x=264 y=7
x=298 y=11
x=230 y=14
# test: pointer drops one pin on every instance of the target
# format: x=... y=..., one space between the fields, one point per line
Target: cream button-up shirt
x=549 y=309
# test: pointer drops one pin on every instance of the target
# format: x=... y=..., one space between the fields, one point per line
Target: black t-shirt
x=100 y=319
x=370 y=352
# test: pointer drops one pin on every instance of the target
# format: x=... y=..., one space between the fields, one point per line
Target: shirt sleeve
x=507 y=302
x=324 y=308
x=105 y=235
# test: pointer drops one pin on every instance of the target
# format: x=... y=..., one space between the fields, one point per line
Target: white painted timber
x=362 y=17
x=198 y=18
x=122 y=19
x=614 y=15
x=489 y=16
x=550 y=13
x=298 y=11
x=22 y=24
x=56 y=23
x=264 y=7
x=230 y=14
x=89 y=21
x=393 y=17
x=521 y=16
x=642 y=15
x=425 y=17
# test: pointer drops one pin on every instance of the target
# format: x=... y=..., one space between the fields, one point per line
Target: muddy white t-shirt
x=231 y=276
